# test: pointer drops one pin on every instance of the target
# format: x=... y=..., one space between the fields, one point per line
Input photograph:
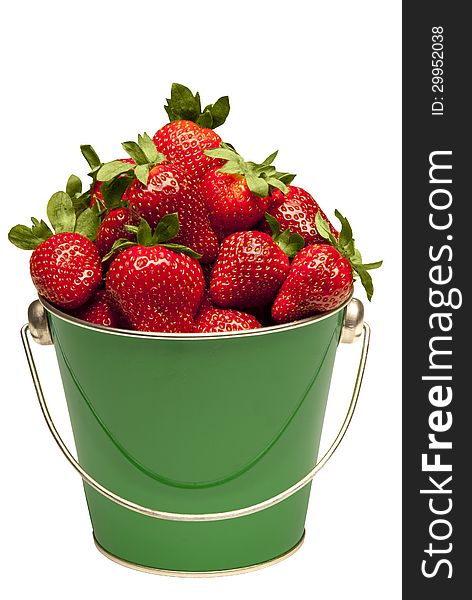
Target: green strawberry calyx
x=112 y=191
x=66 y=212
x=290 y=243
x=167 y=229
x=261 y=178
x=183 y=105
x=345 y=245
x=145 y=155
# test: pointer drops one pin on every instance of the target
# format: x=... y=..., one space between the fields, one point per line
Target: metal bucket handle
x=350 y=318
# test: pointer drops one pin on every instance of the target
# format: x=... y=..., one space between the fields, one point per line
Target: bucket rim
x=191 y=336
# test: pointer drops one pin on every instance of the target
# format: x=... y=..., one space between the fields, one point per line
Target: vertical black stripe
x=424 y=132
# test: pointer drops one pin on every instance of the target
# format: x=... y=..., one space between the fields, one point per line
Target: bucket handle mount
x=197 y=517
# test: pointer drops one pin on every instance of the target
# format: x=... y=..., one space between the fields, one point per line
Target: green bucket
x=197 y=450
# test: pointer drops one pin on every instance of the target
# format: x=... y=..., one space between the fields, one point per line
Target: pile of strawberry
x=186 y=236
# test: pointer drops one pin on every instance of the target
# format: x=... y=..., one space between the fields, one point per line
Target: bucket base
x=170 y=573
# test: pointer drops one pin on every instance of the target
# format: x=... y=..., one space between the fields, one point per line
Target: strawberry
x=152 y=284
x=66 y=269
x=159 y=188
x=218 y=319
x=321 y=275
x=65 y=265
x=113 y=228
x=184 y=143
x=297 y=210
x=190 y=131
x=168 y=191
x=320 y=279
x=98 y=311
x=249 y=270
x=237 y=194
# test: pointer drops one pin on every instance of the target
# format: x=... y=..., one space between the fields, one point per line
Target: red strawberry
x=320 y=279
x=184 y=143
x=249 y=270
x=65 y=266
x=66 y=269
x=218 y=319
x=169 y=190
x=153 y=287
x=98 y=311
x=184 y=140
x=156 y=289
x=159 y=188
x=237 y=194
x=113 y=228
x=231 y=204
x=321 y=275
x=297 y=210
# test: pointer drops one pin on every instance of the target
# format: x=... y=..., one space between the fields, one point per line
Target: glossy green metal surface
x=197 y=426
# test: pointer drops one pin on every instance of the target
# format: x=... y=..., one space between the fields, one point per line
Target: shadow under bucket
x=207 y=441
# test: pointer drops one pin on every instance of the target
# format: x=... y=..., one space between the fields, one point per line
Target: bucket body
x=197 y=424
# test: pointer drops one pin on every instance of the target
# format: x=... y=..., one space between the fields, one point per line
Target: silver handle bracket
x=353 y=322
x=38 y=324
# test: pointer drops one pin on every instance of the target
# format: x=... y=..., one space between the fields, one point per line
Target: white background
x=321 y=82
